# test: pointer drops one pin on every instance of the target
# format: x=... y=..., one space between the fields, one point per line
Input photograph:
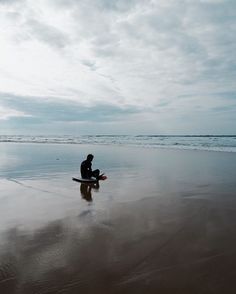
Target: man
x=86 y=169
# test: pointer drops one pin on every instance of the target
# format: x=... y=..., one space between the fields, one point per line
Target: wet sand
x=163 y=222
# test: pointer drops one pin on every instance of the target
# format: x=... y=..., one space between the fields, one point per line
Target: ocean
x=193 y=142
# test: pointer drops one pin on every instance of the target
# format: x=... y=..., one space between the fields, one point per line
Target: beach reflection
x=86 y=190
x=164 y=222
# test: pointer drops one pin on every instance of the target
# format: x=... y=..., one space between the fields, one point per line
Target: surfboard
x=80 y=180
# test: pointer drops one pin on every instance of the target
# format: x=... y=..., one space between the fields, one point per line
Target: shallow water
x=164 y=221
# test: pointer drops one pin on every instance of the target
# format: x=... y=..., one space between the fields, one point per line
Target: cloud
x=108 y=5
x=117 y=56
x=52 y=110
x=9 y=2
x=7 y=113
x=48 y=34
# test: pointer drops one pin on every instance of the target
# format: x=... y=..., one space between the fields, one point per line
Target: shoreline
x=128 y=146
x=216 y=143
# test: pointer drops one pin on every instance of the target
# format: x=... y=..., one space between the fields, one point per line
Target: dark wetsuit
x=86 y=170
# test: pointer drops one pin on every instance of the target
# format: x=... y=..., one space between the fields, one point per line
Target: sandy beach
x=163 y=222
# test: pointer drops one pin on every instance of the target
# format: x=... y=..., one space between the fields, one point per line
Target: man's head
x=90 y=157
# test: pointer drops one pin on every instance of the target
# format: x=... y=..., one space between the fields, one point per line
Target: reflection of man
x=86 y=169
x=86 y=190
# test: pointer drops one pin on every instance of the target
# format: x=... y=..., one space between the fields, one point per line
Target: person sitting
x=86 y=169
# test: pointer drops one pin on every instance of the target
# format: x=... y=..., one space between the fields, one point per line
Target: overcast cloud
x=106 y=66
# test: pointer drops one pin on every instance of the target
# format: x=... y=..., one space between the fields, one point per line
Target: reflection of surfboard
x=80 y=180
x=102 y=177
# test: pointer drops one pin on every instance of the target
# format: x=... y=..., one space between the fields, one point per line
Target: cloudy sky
x=117 y=67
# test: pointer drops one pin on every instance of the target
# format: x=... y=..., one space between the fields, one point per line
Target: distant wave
x=193 y=142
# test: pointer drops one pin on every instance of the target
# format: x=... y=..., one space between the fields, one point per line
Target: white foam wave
x=209 y=143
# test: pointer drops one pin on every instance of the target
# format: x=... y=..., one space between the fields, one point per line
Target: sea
x=192 y=142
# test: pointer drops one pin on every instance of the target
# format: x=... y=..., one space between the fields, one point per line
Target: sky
x=74 y=67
